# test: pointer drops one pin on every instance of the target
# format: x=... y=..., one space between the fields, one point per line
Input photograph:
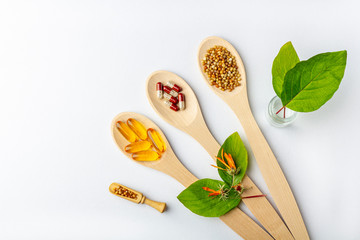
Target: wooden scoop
x=170 y=165
x=192 y=122
x=136 y=197
x=269 y=167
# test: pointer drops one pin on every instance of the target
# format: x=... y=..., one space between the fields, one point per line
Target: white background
x=68 y=67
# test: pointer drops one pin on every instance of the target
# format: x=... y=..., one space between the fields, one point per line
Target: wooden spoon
x=139 y=197
x=170 y=165
x=192 y=122
x=269 y=167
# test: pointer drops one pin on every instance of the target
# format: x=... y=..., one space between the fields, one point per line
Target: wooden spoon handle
x=260 y=207
x=271 y=171
x=160 y=206
x=244 y=225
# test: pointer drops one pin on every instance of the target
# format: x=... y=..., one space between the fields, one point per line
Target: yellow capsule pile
x=145 y=144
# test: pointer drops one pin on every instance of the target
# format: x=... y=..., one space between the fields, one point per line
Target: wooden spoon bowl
x=216 y=41
x=180 y=118
x=167 y=163
x=121 y=141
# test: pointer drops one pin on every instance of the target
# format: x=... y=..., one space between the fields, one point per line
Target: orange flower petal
x=218 y=167
x=230 y=161
x=208 y=189
x=214 y=193
x=223 y=162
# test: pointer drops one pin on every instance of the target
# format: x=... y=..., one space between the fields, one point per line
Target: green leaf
x=311 y=83
x=233 y=145
x=197 y=200
x=286 y=59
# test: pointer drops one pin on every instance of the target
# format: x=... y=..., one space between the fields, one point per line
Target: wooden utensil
x=269 y=167
x=192 y=122
x=170 y=165
x=136 y=197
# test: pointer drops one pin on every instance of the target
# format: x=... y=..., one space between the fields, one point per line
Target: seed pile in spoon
x=125 y=192
x=221 y=68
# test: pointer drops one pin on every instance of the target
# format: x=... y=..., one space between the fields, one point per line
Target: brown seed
x=125 y=192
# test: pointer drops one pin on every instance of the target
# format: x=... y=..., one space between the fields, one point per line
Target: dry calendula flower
x=221 y=68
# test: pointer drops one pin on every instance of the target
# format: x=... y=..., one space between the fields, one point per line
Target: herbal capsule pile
x=221 y=68
x=171 y=92
x=145 y=144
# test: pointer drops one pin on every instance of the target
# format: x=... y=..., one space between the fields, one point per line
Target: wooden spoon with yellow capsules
x=192 y=122
x=169 y=164
x=275 y=179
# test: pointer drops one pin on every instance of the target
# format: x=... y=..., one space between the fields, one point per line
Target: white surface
x=68 y=67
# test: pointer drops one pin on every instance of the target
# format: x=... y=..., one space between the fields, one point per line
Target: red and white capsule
x=159 y=90
x=174 y=86
x=168 y=90
x=181 y=101
x=170 y=98
x=172 y=106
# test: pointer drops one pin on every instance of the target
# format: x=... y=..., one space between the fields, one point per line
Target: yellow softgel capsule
x=147 y=155
x=126 y=131
x=137 y=146
x=138 y=128
x=156 y=139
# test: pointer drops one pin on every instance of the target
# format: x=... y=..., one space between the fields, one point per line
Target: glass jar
x=277 y=117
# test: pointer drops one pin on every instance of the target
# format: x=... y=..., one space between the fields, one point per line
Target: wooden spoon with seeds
x=192 y=122
x=136 y=197
x=170 y=165
x=269 y=167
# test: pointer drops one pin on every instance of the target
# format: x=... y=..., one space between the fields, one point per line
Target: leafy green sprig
x=304 y=86
x=214 y=198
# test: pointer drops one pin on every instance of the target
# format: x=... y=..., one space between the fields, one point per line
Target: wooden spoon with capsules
x=269 y=166
x=192 y=122
x=169 y=164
